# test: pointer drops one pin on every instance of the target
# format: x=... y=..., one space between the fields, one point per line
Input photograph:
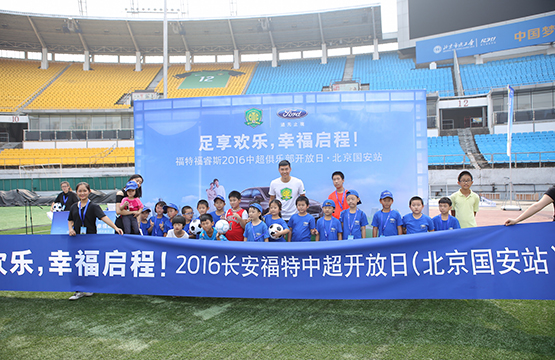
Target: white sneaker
x=79 y=294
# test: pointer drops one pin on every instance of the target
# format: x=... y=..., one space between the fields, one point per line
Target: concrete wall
x=528 y=180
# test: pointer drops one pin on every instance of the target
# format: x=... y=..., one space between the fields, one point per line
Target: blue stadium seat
x=527 y=147
x=390 y=72
x=479 y=79
x=295 y=76
x=445 y=150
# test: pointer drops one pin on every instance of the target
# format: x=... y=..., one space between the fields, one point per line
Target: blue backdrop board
x=495 y=262
x=376 y=138
x=59 y=223
x=496 y=38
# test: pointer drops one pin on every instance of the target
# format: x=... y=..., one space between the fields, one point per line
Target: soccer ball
x=274 y=228
x=57 y=207
x=195 y=227
x=222 y=226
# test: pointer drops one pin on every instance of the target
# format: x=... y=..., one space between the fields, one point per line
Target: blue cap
x=219 y=197
x=386 y=194
x=146 y=209
x=328 y=202
x=256 y=205
x=170 y=205
x=131 y=185
x=355 y=193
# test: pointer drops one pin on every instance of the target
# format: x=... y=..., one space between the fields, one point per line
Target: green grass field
x=12 y=220
x=48 y=326
x=38 y=325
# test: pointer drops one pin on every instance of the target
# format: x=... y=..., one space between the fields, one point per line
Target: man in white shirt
x=286 y=189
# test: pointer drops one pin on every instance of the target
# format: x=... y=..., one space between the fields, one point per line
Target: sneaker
x=79 y=294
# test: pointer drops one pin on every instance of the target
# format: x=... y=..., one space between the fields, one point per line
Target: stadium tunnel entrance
x=464 y=118
x=463 y=113
x=12 y=132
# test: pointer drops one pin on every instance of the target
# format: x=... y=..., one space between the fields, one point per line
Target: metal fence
x=53 y=184
x=542 y=158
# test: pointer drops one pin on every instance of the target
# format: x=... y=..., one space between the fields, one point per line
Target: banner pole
x=510 y=112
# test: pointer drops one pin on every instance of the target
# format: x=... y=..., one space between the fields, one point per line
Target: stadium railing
x=495 y=160
x=542 y=158
x=49 y=135
x=449 y=161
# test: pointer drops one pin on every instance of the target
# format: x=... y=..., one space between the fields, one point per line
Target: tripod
x=29 y=218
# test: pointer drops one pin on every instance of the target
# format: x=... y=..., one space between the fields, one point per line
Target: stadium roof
x=62 y=34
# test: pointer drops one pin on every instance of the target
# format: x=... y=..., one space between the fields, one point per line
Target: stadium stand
x=235 y=85
x=392 y=73
x=528 y=147
x=296 y=76
x=68 y=157
x=479 y=79
x=445 y=150
x=22 y=79
x=99 y=88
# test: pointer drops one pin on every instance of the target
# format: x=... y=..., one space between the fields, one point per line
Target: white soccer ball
x=222 y=226
x=273 y=229
x=57 y=207
x=195 y=227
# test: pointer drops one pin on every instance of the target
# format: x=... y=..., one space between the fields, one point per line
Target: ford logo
x=292 y=113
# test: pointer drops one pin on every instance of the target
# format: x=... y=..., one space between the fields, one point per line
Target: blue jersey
x=450 y=224
x=328 y=229
x=257 y=233
x=144 y=227
x=269 y=221
x=217 y=217
x=387 y=222
x=204 y=236
x=300 y=227
x=156 y=231
x=413 y=226
x=352 y=223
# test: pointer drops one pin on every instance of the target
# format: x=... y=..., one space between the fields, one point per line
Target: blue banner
x=495 y=262
x=377 y=139
x=504 y=37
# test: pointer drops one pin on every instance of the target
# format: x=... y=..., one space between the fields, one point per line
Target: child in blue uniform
x=256 y=229
x=387 y=222
x=159 y=223
x=444 y=221
x=143 y=221
x=353 y=220
x=417 y=222
x=219 y=213
x=202 y=207
x=208 y=232
x=328 y=227
x=274 y=217
x=188 y=214
x=302 y=224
